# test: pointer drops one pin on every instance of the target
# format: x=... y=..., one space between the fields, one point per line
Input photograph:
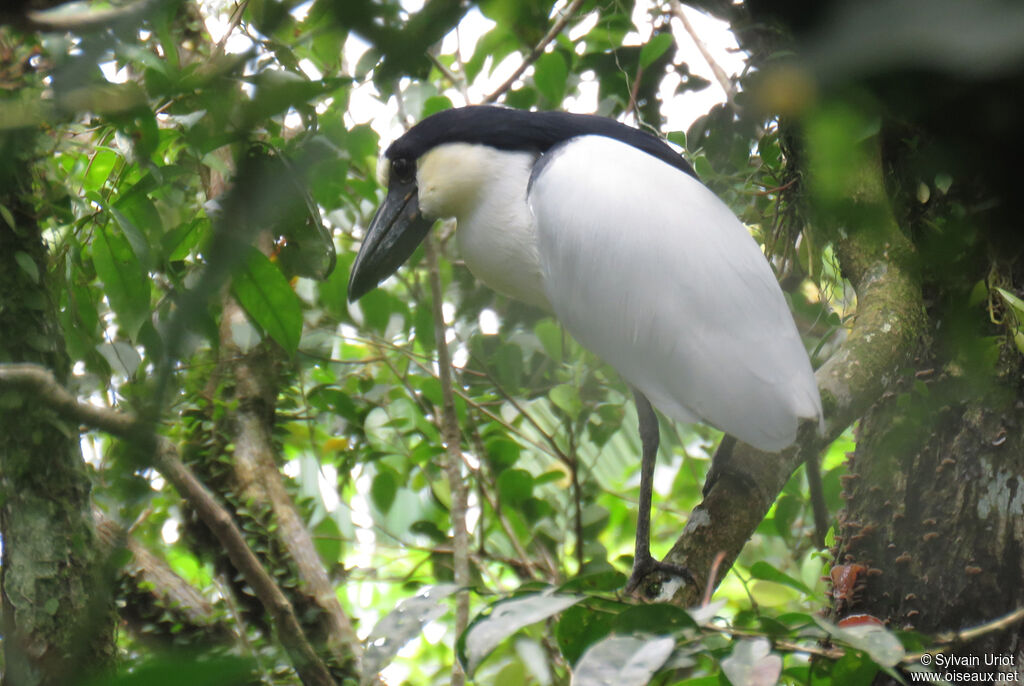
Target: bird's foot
x=649 y=575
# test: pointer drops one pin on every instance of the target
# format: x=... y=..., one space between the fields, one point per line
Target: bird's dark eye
x=403 y=169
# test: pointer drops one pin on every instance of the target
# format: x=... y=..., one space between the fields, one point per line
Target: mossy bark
x=935 y=510
x=58 y=621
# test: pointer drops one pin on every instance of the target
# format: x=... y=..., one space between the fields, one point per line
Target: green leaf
x=1014 y=302
x=677 y=137
x=549 y=334
x=384 y=488
x=7 y=216
x=504 y=619
x=508 y=361
x=122 y=357
x=623 y=661
x=549 y=74
x=125 y=282
x=502 y=453
x=435 y=104
x=595 y=518
x=787 y=507
x=515 y=486
x=135 y=238
x=327 y=540
x=100 y=166
x=579 y=628
x=852 y=668
x=512 y=674
x=769 y=151
x=654 y=48
x=181 y=669
x=880 y=644
x=753 y=663
x=703 y=167
x=27 y=264
x=566 y=397
x=362 y=143
x=640 y=619
x=179 y=241
x=764 y=571
x=403 y=624
x=269 y=300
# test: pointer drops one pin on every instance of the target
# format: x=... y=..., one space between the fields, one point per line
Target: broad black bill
x=395 y=231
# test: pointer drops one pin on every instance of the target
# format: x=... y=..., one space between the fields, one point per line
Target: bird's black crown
x=510 y=129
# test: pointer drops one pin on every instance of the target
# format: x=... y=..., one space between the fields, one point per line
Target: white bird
x=609 y=228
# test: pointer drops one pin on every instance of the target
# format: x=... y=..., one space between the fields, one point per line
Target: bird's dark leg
x=719 y=463
x=643 y=563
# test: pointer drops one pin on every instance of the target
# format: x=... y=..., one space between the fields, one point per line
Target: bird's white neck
x=485 y=190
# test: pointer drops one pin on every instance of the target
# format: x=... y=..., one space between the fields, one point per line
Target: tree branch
x=166 y=460
x=453 y=464
x=723 y=79
x=968 y=635
x=878 y=260
x=259 y=479
x=150 y=576
x=537 y=51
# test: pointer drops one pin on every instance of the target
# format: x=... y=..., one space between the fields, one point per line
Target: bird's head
x=427 y=173
x=433 y=170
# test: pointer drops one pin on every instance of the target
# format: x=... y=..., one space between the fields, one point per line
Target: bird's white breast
x=485 y=190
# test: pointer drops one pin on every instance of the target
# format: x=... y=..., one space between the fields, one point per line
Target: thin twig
x=235 y=20
x=947 y=639
x=464 y=82
x=524 y=559
x=458 y=80
x=782 y=644
x=712 y=575
x=453 y=445
x=577 y=495
x=723 y=79
x=537 y=51
x=551 y=449
x=633 y=94
x=556 y=451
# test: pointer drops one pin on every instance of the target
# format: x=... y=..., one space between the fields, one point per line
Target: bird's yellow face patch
x=450 y=178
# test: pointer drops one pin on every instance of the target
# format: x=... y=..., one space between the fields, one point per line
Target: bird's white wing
x=647 y=268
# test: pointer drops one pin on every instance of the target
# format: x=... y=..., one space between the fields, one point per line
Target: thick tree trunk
x=57 y=605
x=935 y=513
x=932 y=536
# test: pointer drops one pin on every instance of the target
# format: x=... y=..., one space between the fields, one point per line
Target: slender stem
x=998 y=624
x=453 y=441
x=577 y=494
x=537 y=51
x=716 y=69
x=633 y=94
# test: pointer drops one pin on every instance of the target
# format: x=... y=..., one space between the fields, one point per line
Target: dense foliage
x=193 y=169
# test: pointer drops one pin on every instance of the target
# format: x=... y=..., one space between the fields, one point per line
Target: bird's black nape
x=510 y=129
